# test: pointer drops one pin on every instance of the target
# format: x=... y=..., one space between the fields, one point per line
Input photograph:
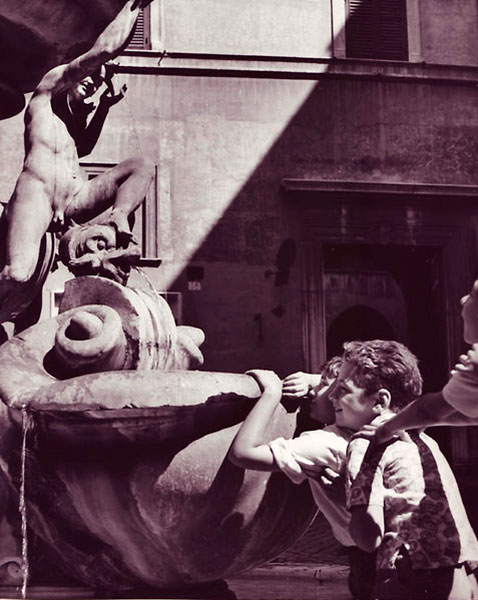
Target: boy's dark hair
x=385 y=364
x=331 y=368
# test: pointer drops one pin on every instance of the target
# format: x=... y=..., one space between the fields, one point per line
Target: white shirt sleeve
x=313 y=450
x=461 y=392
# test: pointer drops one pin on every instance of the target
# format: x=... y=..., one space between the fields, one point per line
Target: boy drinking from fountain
x=403 y=497
x=306 y=456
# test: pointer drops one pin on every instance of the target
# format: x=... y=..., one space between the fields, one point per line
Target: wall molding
x=289 y=67
x=358 y=187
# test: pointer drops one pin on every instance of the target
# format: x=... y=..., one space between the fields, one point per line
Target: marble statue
x=51 y=192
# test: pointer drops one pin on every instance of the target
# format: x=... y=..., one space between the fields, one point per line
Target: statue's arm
x=90 y=134
x=87 y=138
x=107 y=46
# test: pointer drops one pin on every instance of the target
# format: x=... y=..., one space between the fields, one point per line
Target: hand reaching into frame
x=468 y=362
x=380 y=431
x=469 y=313
x=109 y=98
x=296 y=385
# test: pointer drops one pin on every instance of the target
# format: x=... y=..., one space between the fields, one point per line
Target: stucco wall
x=226 y=143
x=448 y=30
x=268 y=27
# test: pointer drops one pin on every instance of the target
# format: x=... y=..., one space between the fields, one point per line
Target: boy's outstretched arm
x=248 y=449
x=427 y=411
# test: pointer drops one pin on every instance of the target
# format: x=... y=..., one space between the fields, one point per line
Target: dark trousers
x=362 y=573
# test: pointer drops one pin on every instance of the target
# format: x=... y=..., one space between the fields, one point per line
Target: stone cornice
x=375 y=188
x=221 y=65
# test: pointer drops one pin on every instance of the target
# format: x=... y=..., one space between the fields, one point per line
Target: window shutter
x=376 y=29
x=140 y=39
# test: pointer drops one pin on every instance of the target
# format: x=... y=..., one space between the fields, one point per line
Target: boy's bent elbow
x=258 y=458
x=241 y=455
x=236 y=457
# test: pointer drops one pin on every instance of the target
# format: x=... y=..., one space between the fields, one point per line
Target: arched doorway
x=357 y=323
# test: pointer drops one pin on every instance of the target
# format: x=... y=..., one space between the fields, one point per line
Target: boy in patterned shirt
x=403 y=497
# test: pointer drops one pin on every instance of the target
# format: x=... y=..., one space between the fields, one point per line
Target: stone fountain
x=113 y=448
x=127 y=481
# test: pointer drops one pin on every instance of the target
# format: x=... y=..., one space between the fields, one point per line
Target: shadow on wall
x=346 y=129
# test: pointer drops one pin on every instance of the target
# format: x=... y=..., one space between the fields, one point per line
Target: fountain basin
x=128 y=484
x=146 y=496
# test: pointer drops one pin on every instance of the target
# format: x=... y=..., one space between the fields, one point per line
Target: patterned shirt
x=423 y=509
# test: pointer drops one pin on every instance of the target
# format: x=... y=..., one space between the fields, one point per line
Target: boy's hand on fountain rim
x=269 y=383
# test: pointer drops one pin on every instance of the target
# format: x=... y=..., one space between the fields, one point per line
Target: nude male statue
x=51 y=188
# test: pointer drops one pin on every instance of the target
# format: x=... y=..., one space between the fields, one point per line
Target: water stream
x=26 y=424
x=147 y=279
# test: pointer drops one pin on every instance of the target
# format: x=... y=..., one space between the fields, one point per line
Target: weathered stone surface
x=90 y=341
x=93 y=250
x=154 y=341
x=150 y=494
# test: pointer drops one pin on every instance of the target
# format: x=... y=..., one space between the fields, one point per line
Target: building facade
x=316 y=176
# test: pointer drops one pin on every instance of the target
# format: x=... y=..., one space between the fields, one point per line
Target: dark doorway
x=357 y=323
x=417 y=270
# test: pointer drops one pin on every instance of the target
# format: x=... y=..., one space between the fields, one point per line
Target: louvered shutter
x=376 y=29
x=140 y=39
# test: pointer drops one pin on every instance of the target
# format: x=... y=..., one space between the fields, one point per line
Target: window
x=376 y=29
x=141 y=39
x=151 y=219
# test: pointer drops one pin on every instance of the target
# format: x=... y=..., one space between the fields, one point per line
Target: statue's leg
x=29 y=214
x=112 y=196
